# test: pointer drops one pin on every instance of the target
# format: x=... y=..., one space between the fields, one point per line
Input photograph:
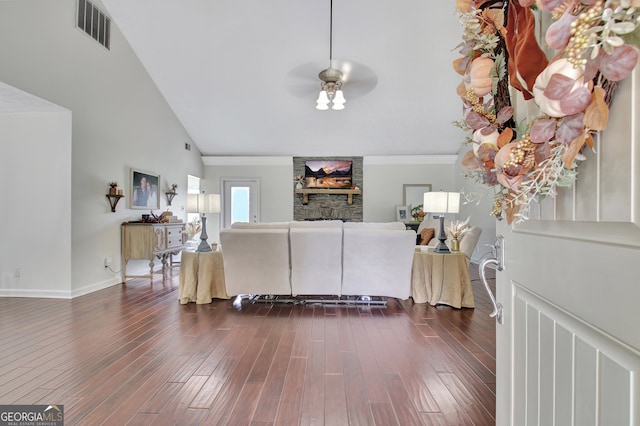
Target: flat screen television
x=330 y=174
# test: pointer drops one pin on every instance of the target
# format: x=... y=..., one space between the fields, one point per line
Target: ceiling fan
x=358 y=78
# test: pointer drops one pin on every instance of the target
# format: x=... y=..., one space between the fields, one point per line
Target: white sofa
x=318 y=258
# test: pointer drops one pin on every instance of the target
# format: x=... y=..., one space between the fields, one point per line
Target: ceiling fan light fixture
x=331 y=89
x=322 y=97
x=339 y=98
x=320 y=105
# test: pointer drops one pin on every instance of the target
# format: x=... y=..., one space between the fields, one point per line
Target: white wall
x=384 y=177
x=120 y=121
x=276 y=185
x=35 y=217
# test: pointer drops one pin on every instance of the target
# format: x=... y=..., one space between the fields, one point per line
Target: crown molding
x=247 y=161
x=288 y=160
x=409 y=159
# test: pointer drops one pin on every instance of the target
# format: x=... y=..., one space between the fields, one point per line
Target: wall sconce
x=114 y=195
x=171 y=193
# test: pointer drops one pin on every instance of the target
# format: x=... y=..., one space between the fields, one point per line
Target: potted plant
x=113 y=188
x=417 y=213
x=456 y=230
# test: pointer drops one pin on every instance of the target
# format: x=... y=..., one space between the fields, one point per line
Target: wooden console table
x=148 y=241
x=201 y=277
x=348 y=192
x=441 y=279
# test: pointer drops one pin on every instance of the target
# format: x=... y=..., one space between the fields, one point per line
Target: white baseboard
x=96 y=286
x=41 y=293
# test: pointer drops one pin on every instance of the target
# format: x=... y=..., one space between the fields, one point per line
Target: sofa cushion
x=399 y=226
x=260 y=225
x=316 y=224
x=316 y=260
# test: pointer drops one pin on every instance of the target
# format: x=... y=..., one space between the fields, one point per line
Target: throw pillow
x=426 y=234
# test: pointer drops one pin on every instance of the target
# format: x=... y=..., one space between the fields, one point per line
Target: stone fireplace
x=327 y=204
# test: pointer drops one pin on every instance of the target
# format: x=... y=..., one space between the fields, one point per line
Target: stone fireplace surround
x=328 y=206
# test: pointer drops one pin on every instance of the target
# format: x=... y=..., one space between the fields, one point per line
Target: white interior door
x=568 y=352
x=240 y=201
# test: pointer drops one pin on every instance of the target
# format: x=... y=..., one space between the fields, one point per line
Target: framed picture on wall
x=144 y=190
x=402 y=213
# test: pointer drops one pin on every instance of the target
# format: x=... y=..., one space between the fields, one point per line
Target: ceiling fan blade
x=302 y=81
x=359 y=79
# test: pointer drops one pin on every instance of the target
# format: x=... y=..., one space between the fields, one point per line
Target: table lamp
x=203 y=204
x=441 y=203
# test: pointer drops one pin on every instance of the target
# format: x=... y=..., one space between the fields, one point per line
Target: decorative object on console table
x=417 y=213
x=172 y=193
x=456 y=230
x=192 y=229
x=442 y=203
x=402 y=213
x=299 y=180
x=203 y=204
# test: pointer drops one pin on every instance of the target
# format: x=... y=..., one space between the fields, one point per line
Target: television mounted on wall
x=330 y=174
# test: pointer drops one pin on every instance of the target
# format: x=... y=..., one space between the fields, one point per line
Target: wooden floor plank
x=290 y=409
x=312 y=412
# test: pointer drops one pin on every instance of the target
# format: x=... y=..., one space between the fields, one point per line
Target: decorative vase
x=455 y=245
x=113 y=190
x=298 y=185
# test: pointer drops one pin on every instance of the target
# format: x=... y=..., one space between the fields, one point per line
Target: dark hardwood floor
x=131 y=354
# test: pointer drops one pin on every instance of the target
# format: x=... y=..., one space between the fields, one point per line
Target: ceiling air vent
x=94 y=22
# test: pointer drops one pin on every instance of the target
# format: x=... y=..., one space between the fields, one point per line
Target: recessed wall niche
x=328 y=206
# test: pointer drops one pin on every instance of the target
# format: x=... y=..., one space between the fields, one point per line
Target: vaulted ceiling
x=242 y=76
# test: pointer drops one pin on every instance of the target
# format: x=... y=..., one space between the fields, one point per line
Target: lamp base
x=441 y=248
x=442 y=237
x=204 y=246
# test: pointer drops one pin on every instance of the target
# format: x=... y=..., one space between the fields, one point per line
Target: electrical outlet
x=107 y=262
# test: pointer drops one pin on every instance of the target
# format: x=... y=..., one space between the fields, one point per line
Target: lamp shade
x=203 y=203
x=441 y=202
